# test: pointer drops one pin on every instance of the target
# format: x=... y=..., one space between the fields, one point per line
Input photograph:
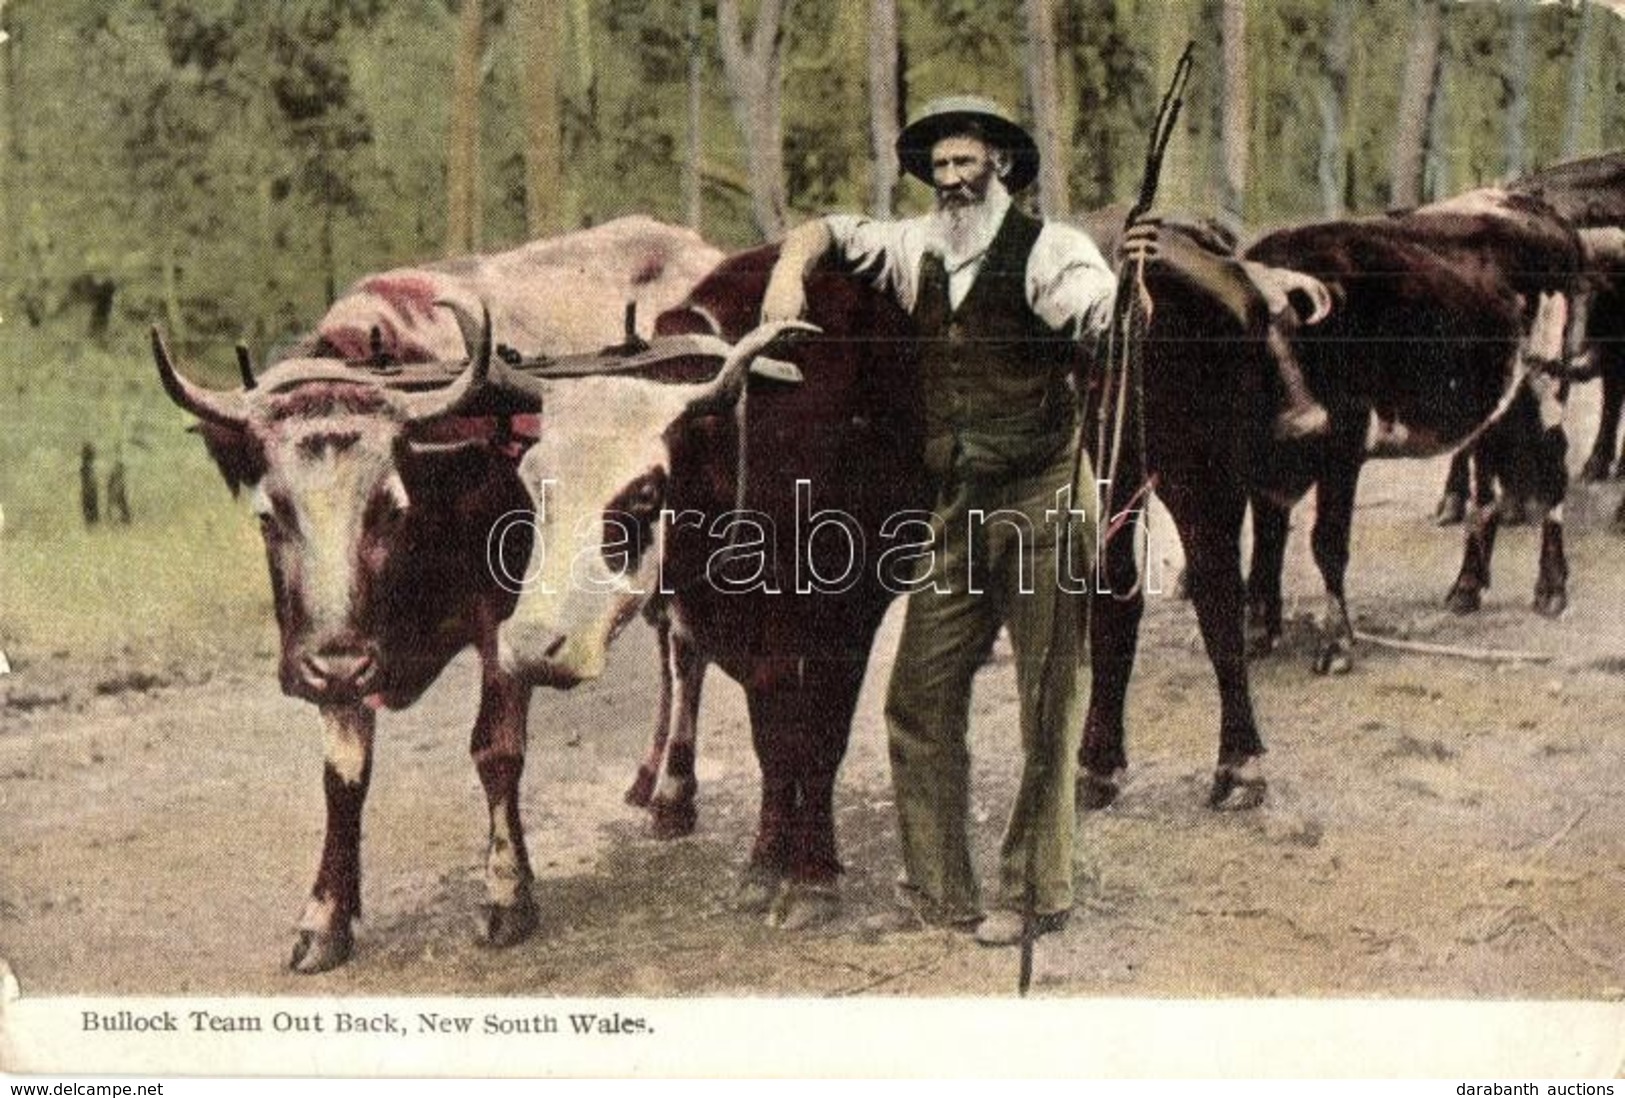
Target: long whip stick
x=1119 y=370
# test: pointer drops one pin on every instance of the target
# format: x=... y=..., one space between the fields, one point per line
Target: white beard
x=959 y=233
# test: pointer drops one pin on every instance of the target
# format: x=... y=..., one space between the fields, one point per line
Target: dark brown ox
x=784 y=594
x=1590 y=195
x=378 y=508
x=1421 y=349
x=1426 y=297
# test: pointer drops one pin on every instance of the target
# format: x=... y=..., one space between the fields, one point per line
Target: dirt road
x=1436 y=827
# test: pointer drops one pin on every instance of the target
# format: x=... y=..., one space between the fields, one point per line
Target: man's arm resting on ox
x=786 y=294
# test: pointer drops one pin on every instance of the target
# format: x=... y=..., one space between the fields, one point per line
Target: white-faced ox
x=639 y=484
x=378 y=505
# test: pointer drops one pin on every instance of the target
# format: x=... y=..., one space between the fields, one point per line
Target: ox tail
x=1278 y=284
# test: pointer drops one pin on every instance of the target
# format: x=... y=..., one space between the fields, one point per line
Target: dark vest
x=996 y=398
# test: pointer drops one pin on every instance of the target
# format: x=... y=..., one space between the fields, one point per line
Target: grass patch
x=185 y=581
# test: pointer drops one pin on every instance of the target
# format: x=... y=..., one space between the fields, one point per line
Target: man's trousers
x=996 y=546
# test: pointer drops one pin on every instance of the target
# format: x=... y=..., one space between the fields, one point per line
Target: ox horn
x=225 y=409
x=731 y=379
x=245 y=366
x=422 y=407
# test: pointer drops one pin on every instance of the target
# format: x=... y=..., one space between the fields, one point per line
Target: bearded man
x=1008 y=310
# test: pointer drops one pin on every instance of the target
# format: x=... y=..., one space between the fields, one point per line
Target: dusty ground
x=1436 y=827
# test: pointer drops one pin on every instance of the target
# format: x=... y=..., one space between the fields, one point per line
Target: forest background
x=227 y=166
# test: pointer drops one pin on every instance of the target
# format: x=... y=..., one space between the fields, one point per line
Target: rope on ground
x=1480 y=655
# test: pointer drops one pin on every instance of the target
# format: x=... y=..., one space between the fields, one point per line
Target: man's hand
x=1139 y=242
x=786 y=294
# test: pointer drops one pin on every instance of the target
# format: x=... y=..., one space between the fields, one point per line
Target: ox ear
x=235 y=452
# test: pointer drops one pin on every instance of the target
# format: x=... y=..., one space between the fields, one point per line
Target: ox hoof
x=755 y=892
x=1238 y=788
x=507 y=925
x=1514 y=510
x=804 y=906
x=1452 y=509
x=671 y=819
x=319 y=951
x=1095 y=792
x=1261 y=643
x=642 y=788
x=1463 y=600
x=1551 y=604
x=1333 y=659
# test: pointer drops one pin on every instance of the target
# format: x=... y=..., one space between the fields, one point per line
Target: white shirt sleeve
x=1069 y=285
x=885 y=253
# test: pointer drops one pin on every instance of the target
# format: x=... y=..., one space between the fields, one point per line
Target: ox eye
x=386 y=510
x=275 y=516
x=389 y=503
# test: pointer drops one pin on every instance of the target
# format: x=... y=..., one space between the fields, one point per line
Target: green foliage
x=226 y=165
x=223 y=166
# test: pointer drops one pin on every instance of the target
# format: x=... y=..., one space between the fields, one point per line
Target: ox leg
x=1551 y=584
x=1114 y=631
x=1334 y=520
x=817 y=724
x=771 y=853
x=1551 y=486
x=672 y=806
x=1467 y=593
x=498 y=748
x=1452 y=507
x=1210 y=526
x=1602 y=455
x=1271 y=522
x=643 y=786
x=326 y=936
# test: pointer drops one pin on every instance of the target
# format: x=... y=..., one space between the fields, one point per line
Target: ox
x=1590 y=195
x=638 y=481
x=1441 y=309
x=1420 y=350
x=377 y=506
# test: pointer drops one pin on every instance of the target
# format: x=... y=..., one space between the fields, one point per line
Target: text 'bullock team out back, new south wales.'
x=971 y=408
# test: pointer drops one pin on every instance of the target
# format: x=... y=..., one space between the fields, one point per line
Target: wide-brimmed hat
x=952 y=115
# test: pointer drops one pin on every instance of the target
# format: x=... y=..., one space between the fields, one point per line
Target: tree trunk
x=580 y=83
x=1415 y=96
x=463 y=155
x=1438 y=176
x=1579 y=94
x=885 y=107
x=1043 y=93
x=1517 y=77
x=693 y=194
x=1233 y=120
x=1170 y=27
x=1333 y=97
x=754 y=70
x=541 y=35
x=174 y=317
x=260 y=124
x=10 y=177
